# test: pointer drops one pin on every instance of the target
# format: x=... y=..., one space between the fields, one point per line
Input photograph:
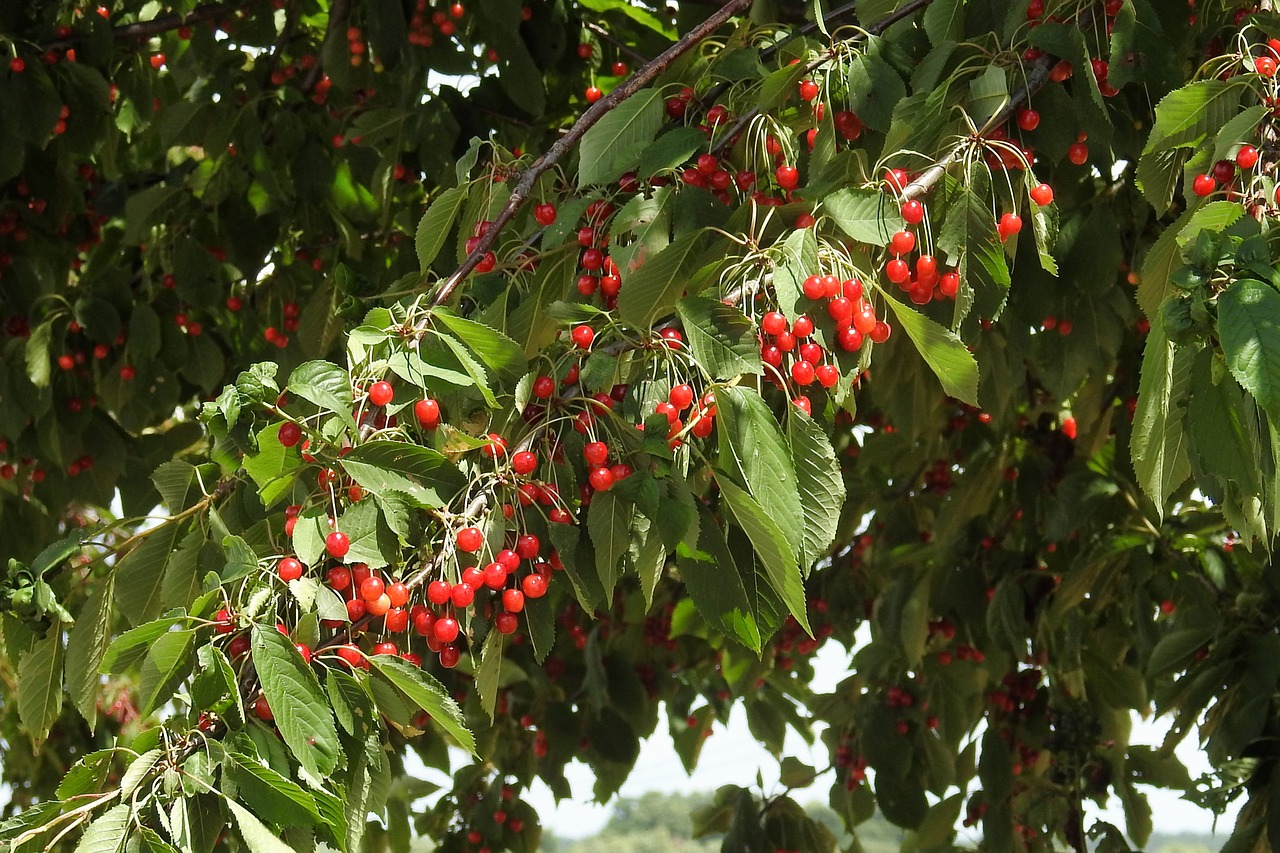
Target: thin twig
x=622 y=46
x=562 y=146
x=162 y=24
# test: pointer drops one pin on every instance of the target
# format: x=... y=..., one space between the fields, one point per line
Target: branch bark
x=562 y=146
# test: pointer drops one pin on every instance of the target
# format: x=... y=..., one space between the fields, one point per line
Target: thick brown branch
x=162 y=24
x=642 y=77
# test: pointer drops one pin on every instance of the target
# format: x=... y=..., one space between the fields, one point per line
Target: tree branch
x=635 y=55
x=1036 y=80
x=162 y=24
x=562 y=146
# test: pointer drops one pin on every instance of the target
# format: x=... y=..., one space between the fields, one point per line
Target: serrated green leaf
x=39 y=696
x=942 y=350
x=867 y=216
x=820 y=484
x=428 y=694
x=653 y=290
x=1158 y=443
x=488 y=672
x=326 y=385
x=754 y=451
x=108 y=832
x=435 y=225
x=38 y=357
x=968 y=237
x=87 y=643
x=988 y=94
x=495 y=350
x=277 y=799
x=1249 y=328
x=167 y=662
x=614 y=144
x=139 y=575
x=713 y=580
x=257 y=837
x=609 y=525
x=670 y=150
x=301 y=712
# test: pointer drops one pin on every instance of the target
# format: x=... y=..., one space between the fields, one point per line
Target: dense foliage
x=493 y=383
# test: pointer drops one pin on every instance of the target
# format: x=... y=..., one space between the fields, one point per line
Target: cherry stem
x=561 y=147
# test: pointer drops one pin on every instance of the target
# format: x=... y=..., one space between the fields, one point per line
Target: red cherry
x=381 y=393
x=304 y=650
x=583 y=336
x=1247 y=157
x=544 y=387
x=584 y=50
x=681 y=397
x=619 y=69
x=1009 y=225
x=290 y=434
x=260 y=706
x=788 y=177
x=524 y=463
x=1042 y=194
x=337 y=544
x=897 y=271
x=289 y=569
x=828 y=375
x=17 y=65
x=912 y=211
x=545 y=214
x=512 y=600
x=1265 y=66
x=808 y=90
x=596 y=453
x=446 y=629
x=372 y=588
x=773 y=323
x=1203 y=185
x=427 y=413
x=902 y=242
x=602 y=479
x=439 y=592
x=1078 y=153
x=339 y=578
x=880 y=332
x=222 y=622
x=1028 y=119
x=469 y=539
x=593 y=94
x=802 y=373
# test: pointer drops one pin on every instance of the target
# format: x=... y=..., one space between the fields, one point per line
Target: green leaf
x=715 y=585
x=39 y=695
x=326 y=385
x=867 y=216
x=670 y=150
x=944 y=21
x=609 y=524
x=722 y=338
x=754 y=451
x=653 y=290
x=819 y=482
x=130 y=647
x=1183 y=119
x=257 y=837
x=428 y=694
x=279 y=800
x=639 y=14
x=1158 y=444
x=87 y=643
x=436 y=223
x=988 y=94
x=968 y=237
x=1249 y=328
x=799 y=257
x=167 y=662
x=874 y=89
x=497 y=351
x=38 y=357
x=1162 y=259
x=140 y=572
x=772 y=547
x=302 y=714
x=138 y=771
x=108 y=832
x=488 y=672
x=614 y=144
x=942 y=350
x=418 y=472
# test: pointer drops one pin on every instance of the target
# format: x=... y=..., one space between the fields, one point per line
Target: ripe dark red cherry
x=619 y=69
x=381 y=393
x=1078 y=153
x=446 y=629
x=290 y=434
x=372 y=588
x=1028 y=119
